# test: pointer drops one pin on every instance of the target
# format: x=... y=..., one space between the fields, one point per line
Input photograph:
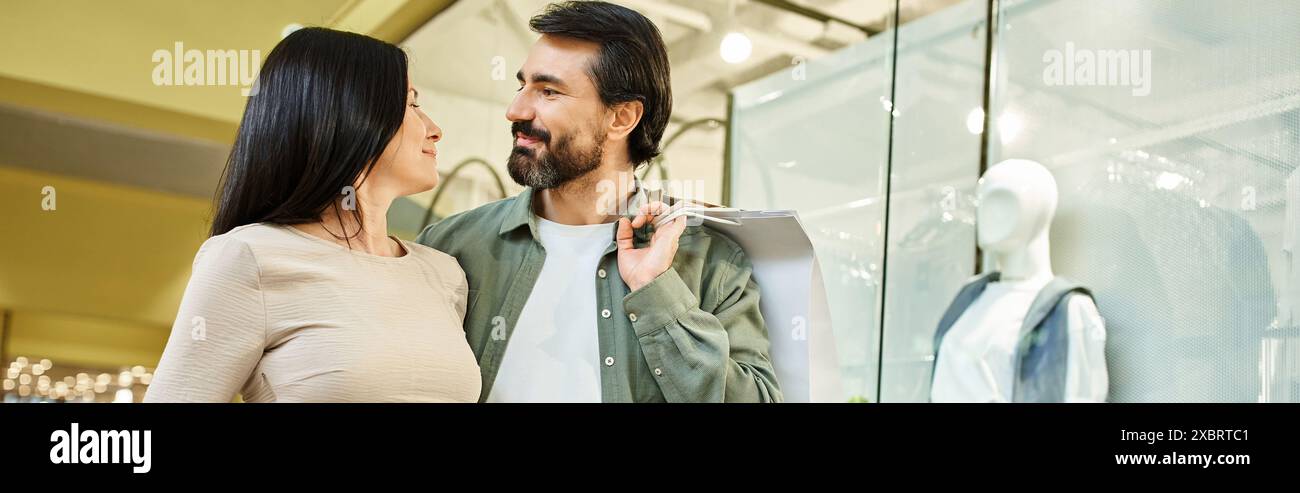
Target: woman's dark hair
x=632 y=64
x=325 y=105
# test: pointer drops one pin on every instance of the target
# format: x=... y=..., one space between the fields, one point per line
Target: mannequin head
x=1017 y=199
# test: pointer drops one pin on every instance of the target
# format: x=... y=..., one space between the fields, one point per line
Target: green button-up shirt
x=693 y=334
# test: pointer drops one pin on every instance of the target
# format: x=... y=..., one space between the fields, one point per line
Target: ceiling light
x=736 y=47
x=975 y=121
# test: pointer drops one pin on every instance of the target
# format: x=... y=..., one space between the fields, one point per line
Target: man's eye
x=549 y=92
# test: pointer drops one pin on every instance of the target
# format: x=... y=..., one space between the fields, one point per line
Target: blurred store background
x=91 y=288
x=1179 y=206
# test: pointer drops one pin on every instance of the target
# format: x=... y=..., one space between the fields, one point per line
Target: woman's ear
x=626 y=117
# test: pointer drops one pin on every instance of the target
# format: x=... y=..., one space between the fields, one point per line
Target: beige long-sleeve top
x=279 y=315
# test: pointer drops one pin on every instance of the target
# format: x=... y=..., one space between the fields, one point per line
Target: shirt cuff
x=659 y=303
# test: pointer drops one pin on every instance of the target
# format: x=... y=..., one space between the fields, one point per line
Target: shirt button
x=658 y=372
x=609 y=361
x=631 y=316
x=604 y=313
x=601 y=273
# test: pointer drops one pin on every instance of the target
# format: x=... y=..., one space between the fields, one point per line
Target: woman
x=300 y=295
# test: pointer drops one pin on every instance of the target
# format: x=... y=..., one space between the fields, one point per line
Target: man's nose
x=519 y=110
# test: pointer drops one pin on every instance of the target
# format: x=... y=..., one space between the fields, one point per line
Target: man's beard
x=562 y=162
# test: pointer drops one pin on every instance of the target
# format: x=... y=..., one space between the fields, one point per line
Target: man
x=571 y=301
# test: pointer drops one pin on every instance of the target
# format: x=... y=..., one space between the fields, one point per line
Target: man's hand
x=639 y=266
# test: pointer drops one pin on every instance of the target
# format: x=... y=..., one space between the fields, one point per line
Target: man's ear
x=626 y=117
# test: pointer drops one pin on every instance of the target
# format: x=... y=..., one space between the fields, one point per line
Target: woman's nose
x=435 y=132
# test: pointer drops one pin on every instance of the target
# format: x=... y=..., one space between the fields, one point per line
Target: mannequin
x=1019 y=333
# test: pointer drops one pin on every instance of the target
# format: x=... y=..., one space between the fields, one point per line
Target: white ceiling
x=454 y=53
x=464 y=61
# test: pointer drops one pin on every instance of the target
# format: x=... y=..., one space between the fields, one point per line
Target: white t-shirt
x=977 y=357
x=554 y=353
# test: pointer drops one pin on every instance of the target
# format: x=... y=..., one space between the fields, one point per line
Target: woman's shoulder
x=273 y=239
x=225 y=258
x=240 y=238
x=445 y=268
x=252 y=242
x=431 y=255
x=254 y=234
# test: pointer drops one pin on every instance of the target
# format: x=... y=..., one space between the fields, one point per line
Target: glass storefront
x=814 y=138
x=1173 y=134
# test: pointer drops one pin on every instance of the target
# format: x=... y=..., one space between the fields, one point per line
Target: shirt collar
x=521 y=211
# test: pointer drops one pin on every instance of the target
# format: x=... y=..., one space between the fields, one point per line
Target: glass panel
x=936 y=155
x=1172 y=129
x=814 y=138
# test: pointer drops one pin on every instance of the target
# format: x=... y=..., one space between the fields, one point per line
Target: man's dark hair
x=632 y=64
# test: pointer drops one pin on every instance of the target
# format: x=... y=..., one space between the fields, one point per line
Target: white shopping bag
x=792 y=298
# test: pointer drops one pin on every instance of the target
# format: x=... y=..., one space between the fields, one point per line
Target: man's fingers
x=655 y=208
x=671 y=231
x=680 y=223
x=647 y=213
x=658 y=207
x=624 y=236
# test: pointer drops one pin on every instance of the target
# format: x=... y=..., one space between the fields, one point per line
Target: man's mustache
x=526 y=129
